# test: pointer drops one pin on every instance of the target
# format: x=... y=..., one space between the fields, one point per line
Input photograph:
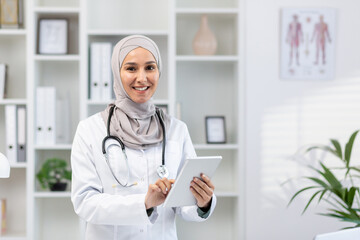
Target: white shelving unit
x=38 y=213
x=13 y=52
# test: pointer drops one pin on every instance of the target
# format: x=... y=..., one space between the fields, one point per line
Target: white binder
x=106 y=76
x=95 y=92
x=40 y=115
x=2 y=80
x=50 y=116
x=21 y=134
x=10 y=122
x=63 y=120
x=45 y=115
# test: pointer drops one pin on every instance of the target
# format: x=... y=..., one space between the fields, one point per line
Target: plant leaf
x=336 y=186
x=348 y=148
x=324 y=148
x=320 y=182
x=349 y=197
x=322 y=194
x=312 y=198
x=300 y=191
x=337 y=148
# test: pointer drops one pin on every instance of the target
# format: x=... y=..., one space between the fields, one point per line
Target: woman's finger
x=198 y=189
x=154 y=187
x=204 y=186
x=162 y=185
x=207 y=180
x=167 y=183
x=196 y=195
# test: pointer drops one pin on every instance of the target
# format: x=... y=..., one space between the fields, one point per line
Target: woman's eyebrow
x=133 y=63
x=130 y=63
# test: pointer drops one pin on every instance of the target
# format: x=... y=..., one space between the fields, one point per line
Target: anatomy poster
x=308 y=43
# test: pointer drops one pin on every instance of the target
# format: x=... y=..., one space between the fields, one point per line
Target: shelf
x=54 y=147
x=16 y=101
x=56 y=10
x=207 y=11
x=193 y=58
x=14 y=32
x=18 y=165
x=215 y=146
x=39 y=57
x=52 y=194
x=13 y=236
x=109 y=32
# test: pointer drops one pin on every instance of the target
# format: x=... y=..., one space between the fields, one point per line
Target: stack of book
x=11 y=13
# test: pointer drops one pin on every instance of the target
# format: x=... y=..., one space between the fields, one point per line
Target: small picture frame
x=215 y=129
x=53 y=36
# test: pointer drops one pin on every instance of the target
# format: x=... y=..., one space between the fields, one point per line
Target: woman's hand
x=203 y=190
x=157 y=192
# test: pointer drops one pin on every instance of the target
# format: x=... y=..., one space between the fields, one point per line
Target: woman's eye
x=150 y=67
x=130 y=69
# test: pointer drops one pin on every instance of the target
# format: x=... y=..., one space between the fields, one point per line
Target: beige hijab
x=137 y=125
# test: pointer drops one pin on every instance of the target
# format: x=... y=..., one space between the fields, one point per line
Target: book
x=9 y=13
x=3 y=70
x=11 y=133
x=21 y=134
x=2 y=216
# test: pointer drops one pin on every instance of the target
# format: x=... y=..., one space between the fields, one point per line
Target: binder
x=45 y=116
x=10 y=123
x=21 y=134
x=2 y=80
x=95 y=92
x=63 y=120
x=40 y=116
x=106 y=76
x=2 y=216
x=50 y=116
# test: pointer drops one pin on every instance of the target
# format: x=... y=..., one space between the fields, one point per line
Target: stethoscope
x=114 y=140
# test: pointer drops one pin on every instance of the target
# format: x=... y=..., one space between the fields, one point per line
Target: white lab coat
x=119 y=212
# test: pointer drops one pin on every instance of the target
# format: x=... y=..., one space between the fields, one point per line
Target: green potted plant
x=54 y=175
x=337 y=186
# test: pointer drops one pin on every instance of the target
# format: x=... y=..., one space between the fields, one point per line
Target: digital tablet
x=180 y=194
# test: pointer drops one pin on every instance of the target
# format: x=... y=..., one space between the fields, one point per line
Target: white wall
x=283 y=115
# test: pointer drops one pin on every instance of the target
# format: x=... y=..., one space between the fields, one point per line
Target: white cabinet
x=212 y=86
x=191 y=87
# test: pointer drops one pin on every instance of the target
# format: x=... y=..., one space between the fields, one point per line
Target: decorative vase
x=59 y=186
x=204 y=42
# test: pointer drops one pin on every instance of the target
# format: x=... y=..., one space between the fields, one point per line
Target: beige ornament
x=204 y=42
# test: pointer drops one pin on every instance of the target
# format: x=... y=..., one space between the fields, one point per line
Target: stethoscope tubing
x=159 y=113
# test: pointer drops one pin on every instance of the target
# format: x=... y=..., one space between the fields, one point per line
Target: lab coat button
x=141 y=230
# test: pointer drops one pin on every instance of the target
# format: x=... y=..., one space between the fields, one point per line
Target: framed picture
x=215 y=129
x=308 y=43
x=9 y=13
x=53 y=36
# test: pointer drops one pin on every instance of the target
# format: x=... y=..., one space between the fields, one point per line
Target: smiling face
x=139 y=75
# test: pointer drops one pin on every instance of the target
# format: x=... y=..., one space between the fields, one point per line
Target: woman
x=120 y=195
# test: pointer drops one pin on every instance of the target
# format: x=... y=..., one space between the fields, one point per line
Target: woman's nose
x=142 y=77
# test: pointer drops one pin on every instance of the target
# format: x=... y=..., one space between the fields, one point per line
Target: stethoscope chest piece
x=162 y=171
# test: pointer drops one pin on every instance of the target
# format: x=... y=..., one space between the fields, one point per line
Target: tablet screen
x=180 y=194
